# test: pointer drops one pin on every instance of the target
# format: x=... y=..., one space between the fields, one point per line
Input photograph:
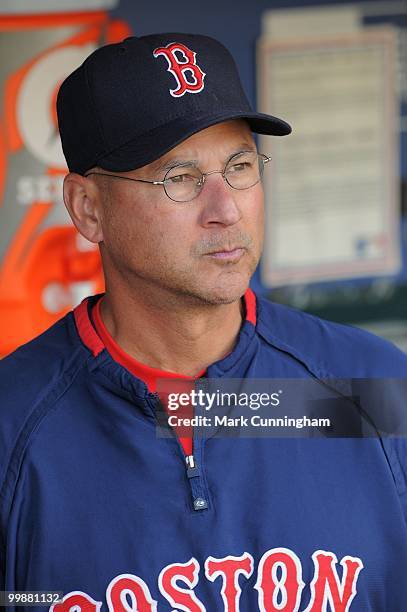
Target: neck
x=173 y=334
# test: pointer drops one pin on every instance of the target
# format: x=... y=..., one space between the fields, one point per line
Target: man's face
x=204 y=250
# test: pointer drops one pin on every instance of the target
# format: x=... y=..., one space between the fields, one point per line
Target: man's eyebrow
x=175 y=162
x=244 y=148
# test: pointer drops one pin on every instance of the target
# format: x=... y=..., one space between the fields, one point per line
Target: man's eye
x=181 y=178
x=240 y=167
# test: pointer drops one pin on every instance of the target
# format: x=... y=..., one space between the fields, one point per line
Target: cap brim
x=151 y=145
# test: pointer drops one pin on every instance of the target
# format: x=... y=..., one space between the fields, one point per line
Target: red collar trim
x=250 y=301
x=86 y=331
x=91 y=340
x=146 y=373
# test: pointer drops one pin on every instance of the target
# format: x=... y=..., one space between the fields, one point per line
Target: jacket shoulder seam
x=30 y=425
x=271 y=339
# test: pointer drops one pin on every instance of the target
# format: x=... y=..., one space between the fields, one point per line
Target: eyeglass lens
x=243 y=170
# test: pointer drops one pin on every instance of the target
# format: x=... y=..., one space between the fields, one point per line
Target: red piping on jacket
x=91 y=339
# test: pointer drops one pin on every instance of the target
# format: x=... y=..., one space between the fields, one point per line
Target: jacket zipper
x=193 y=463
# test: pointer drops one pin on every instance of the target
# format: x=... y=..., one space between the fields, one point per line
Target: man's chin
x=221 y=295
x=203 y=290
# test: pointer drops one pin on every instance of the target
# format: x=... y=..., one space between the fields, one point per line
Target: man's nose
x=219 y=201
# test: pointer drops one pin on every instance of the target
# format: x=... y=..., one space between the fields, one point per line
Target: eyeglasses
x=184 y=182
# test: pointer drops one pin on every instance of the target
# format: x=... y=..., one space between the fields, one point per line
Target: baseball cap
x=131 y=102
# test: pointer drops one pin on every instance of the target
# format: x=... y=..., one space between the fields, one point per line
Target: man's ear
x=83 y=202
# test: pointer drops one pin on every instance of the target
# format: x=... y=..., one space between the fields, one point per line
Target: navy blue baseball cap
x=129 y=103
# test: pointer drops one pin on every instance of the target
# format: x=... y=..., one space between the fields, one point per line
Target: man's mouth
x=226 y=254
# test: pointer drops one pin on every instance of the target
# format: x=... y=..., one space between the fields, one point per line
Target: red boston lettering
x=279 y=585
x=127 y=586
x=182 y=64
x=183 y=599
x=78 y=601
x=229 y=569
x=282 y=593
x=326 y=586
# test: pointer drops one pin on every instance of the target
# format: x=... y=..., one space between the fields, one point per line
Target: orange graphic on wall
x=46 y=267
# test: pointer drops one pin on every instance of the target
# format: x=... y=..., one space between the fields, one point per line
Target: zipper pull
x=192 y=469
x=190 y=461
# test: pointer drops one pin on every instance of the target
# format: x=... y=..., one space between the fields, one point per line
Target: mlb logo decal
x=182 y=65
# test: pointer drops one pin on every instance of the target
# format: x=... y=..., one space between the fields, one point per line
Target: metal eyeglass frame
x=264 y=158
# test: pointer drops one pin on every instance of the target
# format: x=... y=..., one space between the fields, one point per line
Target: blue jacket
x=93 y=504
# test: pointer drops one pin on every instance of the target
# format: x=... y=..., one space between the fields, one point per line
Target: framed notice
x=332 y=196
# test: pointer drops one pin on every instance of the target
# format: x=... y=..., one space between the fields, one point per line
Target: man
x=166 y=178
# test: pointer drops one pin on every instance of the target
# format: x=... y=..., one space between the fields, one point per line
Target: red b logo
x=180 y=68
